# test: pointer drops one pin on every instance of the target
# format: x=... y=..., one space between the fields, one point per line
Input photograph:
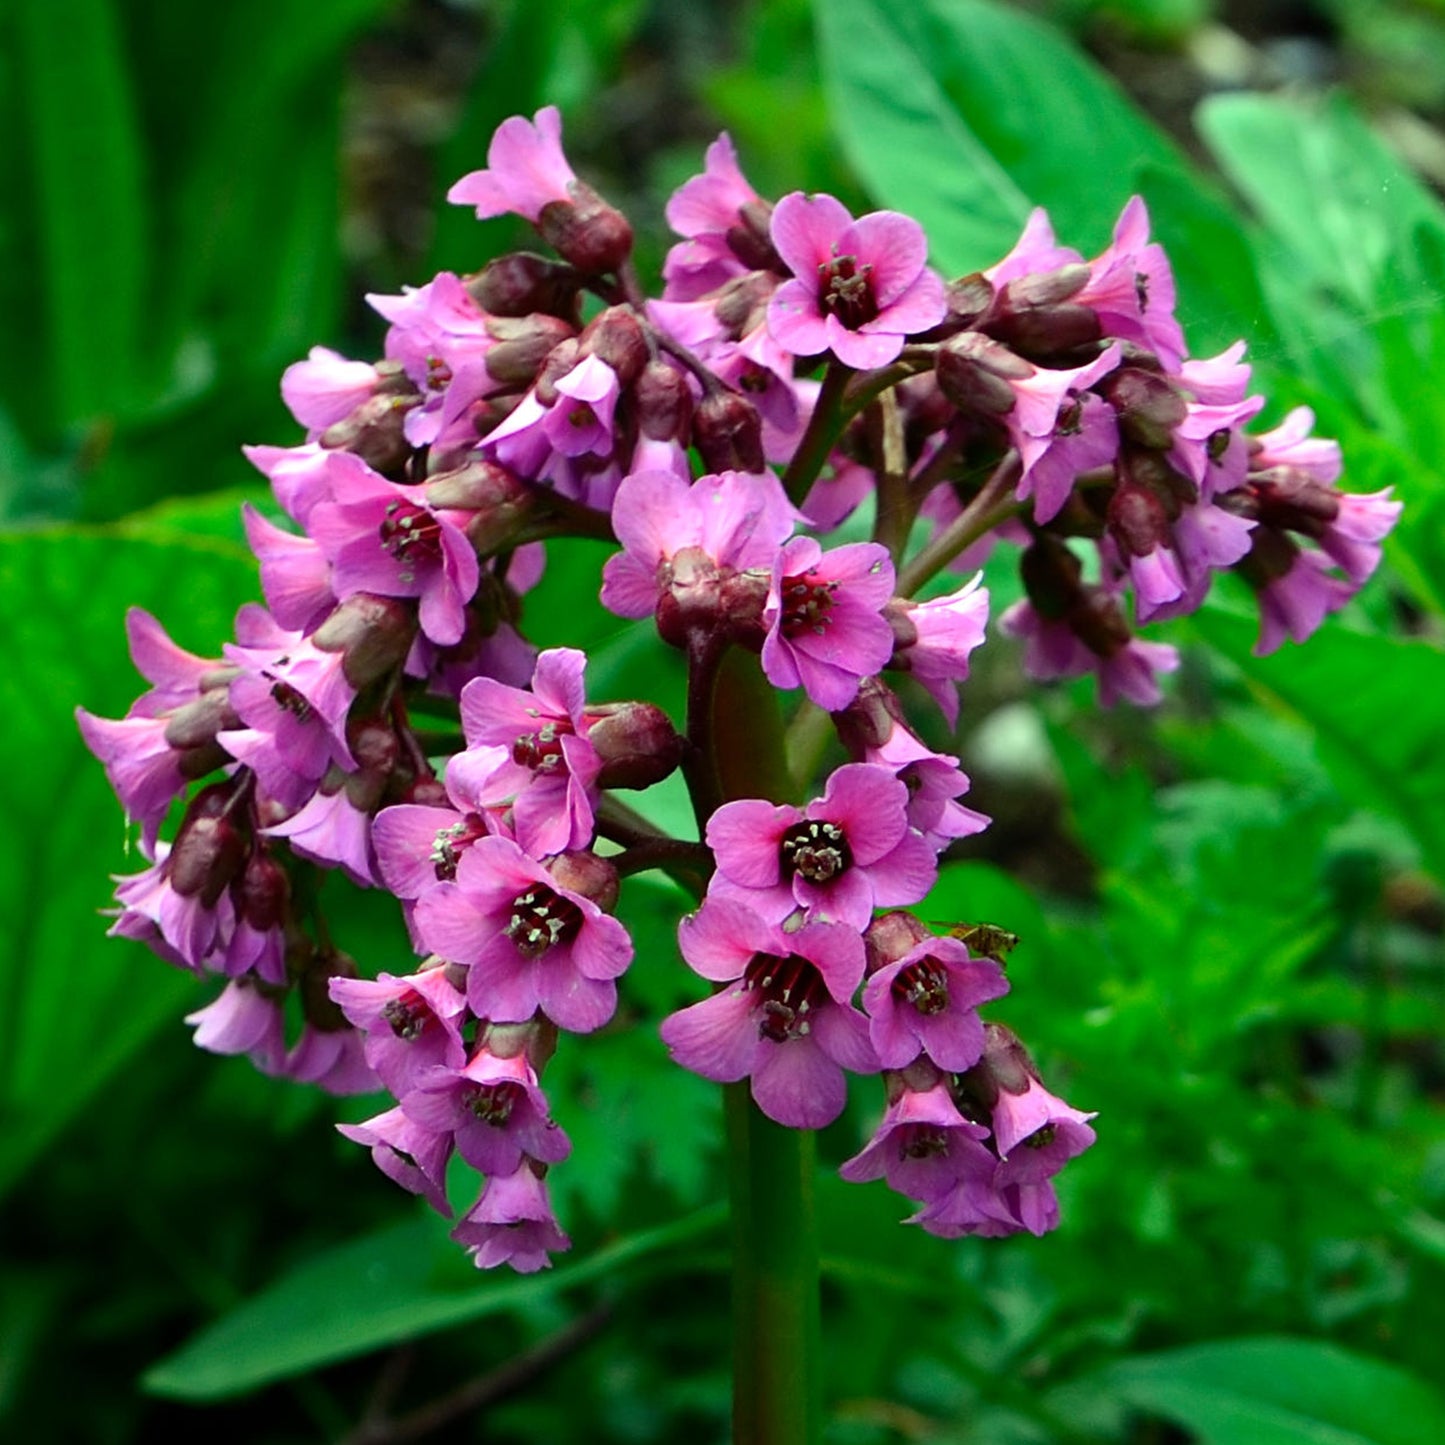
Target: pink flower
x=412 y=1024
x=411 y=1156
x=326 y=387
x=242 y=1021
x=527 y=942
x=923 y=1146
x=861 y=287
x=493 y=1108
x=526 y=169
x=726 y=225
x=785 y=1022
x=295 y=575
x=945 y=630
x=512 y=1223
x=724 y=523
x=549 y=769
x=848 y=851
x=1294 y=603
x=1131 y=288
x=927 y=1002
x=824 y=616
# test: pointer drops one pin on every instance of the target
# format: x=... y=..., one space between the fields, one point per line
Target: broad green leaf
x=1373 y=704
x=966 y=114
x=90 y=200
x=79 y=1005
x=1281 y=1391
x=399 y=1284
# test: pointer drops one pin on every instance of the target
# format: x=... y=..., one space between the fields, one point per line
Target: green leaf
x=79 y=1006
x=89 y=202
x=1281 y=1391
x=399 y=1284
x=1369 y=700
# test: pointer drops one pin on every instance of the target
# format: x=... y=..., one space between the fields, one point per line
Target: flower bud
x=499 y=501
x=375 y=432
x=663 y=400
x=1138 y=519
x=728 y=433
x=975 y=372
x=209 y=849
x=197 y=723
x=1045 y=288
x=522 y=282
x=584 y=873
x=373 y=634
x=1051 y=576
x=892 y=936
x=521 y=345
x=562 y=358
x=750 y=238
x=593 y=235
x=615 y=336
x=1046 y=330
x=868 y=721
x=636 y=741
x=968 y=298
x=1149 y=407
x=263 y=892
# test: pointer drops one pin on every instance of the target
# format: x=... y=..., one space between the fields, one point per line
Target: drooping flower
x=512 y=1223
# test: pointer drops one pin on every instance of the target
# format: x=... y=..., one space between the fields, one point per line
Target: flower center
x=817 y=849
x=540 y=918
x=581 y=415
x=451 y=842
x=807 y=602
x=493 y=1103
x=410 y=533
x=923 y=1141
x=408 y=1015
x=923 y=984
x=787 y=991
x=846 y=289
x=1042 y=1138
x=541 y=751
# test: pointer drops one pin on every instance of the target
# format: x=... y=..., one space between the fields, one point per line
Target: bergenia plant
x=799 y=449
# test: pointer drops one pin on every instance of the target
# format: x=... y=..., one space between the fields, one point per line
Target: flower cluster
x=385 y=717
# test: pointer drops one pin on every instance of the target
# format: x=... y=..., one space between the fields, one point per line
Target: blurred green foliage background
x=1231 y=908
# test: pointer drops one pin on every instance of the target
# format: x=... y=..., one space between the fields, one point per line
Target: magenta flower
x=526 y=169
x=577 y=424
x=860 y=287
x=824 y=615
x=927 y=1002
x=1131 y=288
x=934 y=782
x=1036 y=1134
x=527 y=943
x=331 y=830
x=785 y=1023
x=687 y=539
x=725 y=223
x=332 y=1059
x=242 y=1021
x=494 y=1110
x=384 y=538
x=412 y=1024
x=295 y=575
x=945 y=630
x=1294 y=603
x=549 y=769
x=326 y=387
x=407 y=1154
x=512 y=1223
x=923 y=1146
x=849 y=851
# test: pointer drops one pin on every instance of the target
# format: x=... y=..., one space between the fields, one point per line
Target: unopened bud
x=1148 y=406
x=663 y=401
x=375 y=432
x=741 y=305
x=521 y=345
x=499 y=502
x=891 y=936
x=1138 y=519
x=209 y=849
x=750 y=238
x=968 y=298
x=373 y=633
x=593 y=235
x=636 y=741
x=615 y=336
x=869 y=720
x=198 y=722
x=1050 y=574
x=1045 y=288
x=975 y=373
x=263 y=892
x=1046 y=330
x=523 y=282
x=586 y=874
x=728 y=433
x=560 y=360
x=1098 y=622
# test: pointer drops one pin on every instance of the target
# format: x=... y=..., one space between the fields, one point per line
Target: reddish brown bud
x=522 y=345
x=374 y=431
x=1051 y=577
x=373 y=633
x=209 y=849
x=594 y=236
x=1149 y=407
x=562 y=358
x=663 y=400
x=868 y=721
x=1046 y=330
x=197 y=723
x=1138 y=519
x=522 y=282
x=585 y=873
x=728 y=433
x=892 y=935
x=263 y=892
x=1045 y=288
x=615 y=336
x=636 y=741
x=974 y=373
x=499 y=501
x=750 y=238
x=969 y=297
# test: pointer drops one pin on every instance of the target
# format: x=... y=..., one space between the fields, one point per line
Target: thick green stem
x=993 y=504
x=777 y=1390
x=822 y=432
x=777 y=1330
